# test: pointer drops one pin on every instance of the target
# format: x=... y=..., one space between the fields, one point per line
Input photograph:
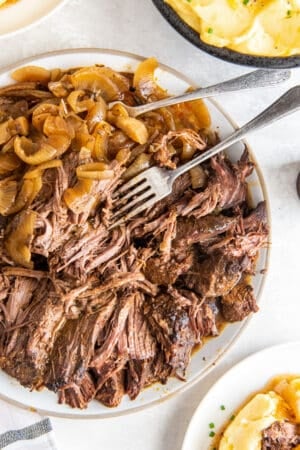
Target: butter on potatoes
x=245 y=431
x=258 y=27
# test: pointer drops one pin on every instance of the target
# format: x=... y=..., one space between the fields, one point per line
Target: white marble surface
x=136 y=26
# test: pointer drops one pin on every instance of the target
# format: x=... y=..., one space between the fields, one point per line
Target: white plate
x=24 y=13
x=233 y=388
x=204 y=360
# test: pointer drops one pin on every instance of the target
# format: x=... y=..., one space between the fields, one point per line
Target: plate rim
x=224 y=53
x=111 y=413
x=34 y=22
x=255 y=354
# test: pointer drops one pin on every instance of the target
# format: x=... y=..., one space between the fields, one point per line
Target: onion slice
x=18 y=242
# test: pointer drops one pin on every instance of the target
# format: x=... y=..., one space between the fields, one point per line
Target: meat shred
x=98 y=313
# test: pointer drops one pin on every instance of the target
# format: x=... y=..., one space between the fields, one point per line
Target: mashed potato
x=258 y=27
x=280 y=402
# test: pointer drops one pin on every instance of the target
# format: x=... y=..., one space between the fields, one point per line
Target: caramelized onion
x=12 y=127
x=37 y=153
x=26 y=195
x=8 y=192
x=77 y=197
x=70 y=111
x=96 y=114
x=8 y=163
x=38 y=170
x=101 y=133
x=142 y=162
x=18 y=241
x=94 y=171
x=187 y=151
x=120 y=80
x=93 y=79
x=32 y=73
x=198 y=177
x=8 y=147
x=6 y=131
x=191 y=115
x=61 y=88
x=56 y=125
x=41 y=113
x=123 y=155
x=21 y=125
x=144 y=80
x=77 y=103
x=134 y=128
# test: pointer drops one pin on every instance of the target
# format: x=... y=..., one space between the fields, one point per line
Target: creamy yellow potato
x=281 y=401
x=258 y=27
x=7 y=2
x=245 y=431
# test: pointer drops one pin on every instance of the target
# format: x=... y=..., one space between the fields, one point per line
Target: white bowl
x=23 y=14
x=205 y=359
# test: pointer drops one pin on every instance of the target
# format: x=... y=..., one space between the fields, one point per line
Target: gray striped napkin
x=24 y=430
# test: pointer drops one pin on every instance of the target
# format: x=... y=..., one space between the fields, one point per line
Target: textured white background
x=136 y=26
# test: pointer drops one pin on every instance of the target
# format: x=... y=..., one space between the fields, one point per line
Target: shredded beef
x=232 y=179
x=111 y=393
x=281 y=436
x=100 y=312
x=169 y=320
x=191 y=230
x=215 y=276
x=239 y=302
x=163 y=273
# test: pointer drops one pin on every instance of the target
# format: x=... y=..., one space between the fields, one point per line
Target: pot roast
x=92 y=312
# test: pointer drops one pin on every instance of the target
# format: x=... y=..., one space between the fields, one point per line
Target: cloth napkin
x=24 y=430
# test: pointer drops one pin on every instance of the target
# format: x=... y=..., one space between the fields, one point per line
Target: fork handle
x=255 y=79
x=285 y=105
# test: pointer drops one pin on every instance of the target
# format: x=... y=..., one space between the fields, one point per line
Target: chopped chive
x=211 y=425
x=288 y=13
x=222 y=407
x=210 y=30
x=232 y=417
x=212 y=434
x=189 y=1
x=245 y=2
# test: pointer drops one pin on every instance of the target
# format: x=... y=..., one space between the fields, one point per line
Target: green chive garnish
x=210 y=30
x=245 y=2
x=211 y=425
x=212 y=434
x=222 y=407
x=232 y=417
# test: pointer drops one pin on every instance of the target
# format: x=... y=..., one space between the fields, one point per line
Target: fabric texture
x=24 y=430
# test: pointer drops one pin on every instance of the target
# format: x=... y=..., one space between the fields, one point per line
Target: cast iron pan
x=224 y=53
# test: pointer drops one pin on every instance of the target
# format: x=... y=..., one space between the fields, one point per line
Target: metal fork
x=255 y=79
x=152 y=185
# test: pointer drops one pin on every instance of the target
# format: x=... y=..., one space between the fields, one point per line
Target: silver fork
x=152 y=185
x=255 y=79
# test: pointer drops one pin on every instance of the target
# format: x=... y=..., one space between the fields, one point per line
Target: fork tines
x=137 y=194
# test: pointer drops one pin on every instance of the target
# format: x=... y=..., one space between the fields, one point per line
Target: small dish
x=223 y=53
x=222 y=400
x=23 y=14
